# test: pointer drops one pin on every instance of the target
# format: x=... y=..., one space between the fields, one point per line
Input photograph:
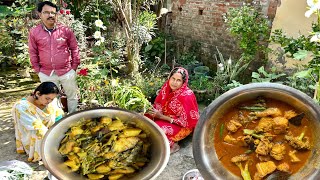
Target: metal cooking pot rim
x=208 y=164
x=160 y=150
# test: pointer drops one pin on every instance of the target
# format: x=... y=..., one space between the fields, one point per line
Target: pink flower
x=64 y=4
x=61 y=11
x=68 y=12
x=83 y=72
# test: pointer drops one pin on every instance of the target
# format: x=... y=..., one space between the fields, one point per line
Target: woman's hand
x=156 y=113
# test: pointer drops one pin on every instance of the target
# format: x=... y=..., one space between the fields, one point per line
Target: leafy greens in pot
x=105 y=147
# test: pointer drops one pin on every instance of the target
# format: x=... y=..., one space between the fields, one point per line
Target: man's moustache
x=50 y=18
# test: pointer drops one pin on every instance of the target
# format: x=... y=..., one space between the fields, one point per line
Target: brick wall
x=202 y=21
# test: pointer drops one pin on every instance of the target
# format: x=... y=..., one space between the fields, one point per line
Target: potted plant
x=201 y=85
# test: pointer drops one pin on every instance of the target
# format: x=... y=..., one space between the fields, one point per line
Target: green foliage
x=23 y=59
x=228 y=74
x=154 y=48
x=188 y=58
x=89 y=11
x=94 y=85
x=14 y=27
x=200 y=82
x=264 y=76
x=150 y=84
x=226 y=77
x=292 y=45
x=143 y=29
x=249 y=26
x=4 y=11
x=153 y=53
x=148 y=19
x=131 y=98
x=299 y=48
x=302 y=81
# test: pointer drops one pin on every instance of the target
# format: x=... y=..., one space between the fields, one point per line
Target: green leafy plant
x=87 y=12
x=263 y=76
x=131 y=98
x=199 y=82
x=155 y=47
x=300 y=82
x=228 y=73
x=14 y=27
x=150 y=84
x=93 y=85
x=303 y=46
x=153 y=50
x=249 y=26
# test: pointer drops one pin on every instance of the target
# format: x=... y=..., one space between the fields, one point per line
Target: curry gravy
x=226 y=151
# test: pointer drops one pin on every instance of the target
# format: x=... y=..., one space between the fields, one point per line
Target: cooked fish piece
x=289 y=114
x=273 y=112
x=123 y=144
x=263 y=158
x=264 y=147
x=284 y=167
x=240 y=158
x=265 y=124
x=233 y=125
x=280 y=125
x=278 y=151
x=265 y=168
x=240 y=140
x=229 y=139
x=95 y=176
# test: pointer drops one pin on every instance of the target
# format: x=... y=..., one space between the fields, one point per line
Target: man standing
x=54 y=52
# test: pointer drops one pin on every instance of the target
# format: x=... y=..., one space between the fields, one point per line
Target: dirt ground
x=179 y=163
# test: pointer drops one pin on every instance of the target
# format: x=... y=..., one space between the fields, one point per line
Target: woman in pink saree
x=175 y=108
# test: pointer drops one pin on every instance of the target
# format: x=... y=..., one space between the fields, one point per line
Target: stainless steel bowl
x=53 y=161
x=203 y=139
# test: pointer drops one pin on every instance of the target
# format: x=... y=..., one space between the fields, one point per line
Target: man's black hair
x=41 y=4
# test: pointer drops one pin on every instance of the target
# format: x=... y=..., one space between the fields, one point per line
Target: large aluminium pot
x=53 y=161
x=203 y=140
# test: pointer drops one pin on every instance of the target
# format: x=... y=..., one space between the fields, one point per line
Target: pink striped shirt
x=53 y=51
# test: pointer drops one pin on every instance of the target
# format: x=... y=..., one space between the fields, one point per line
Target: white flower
x=102 y=39
x=314 y=6
x=229 y=61
x=315 y=38
x=97 y=35
x=114 y=82
x=221 y=67
x=98 y=23
x=103 y=27
x=97 y=43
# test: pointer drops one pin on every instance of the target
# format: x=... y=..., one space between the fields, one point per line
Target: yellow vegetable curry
x=105 y=148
